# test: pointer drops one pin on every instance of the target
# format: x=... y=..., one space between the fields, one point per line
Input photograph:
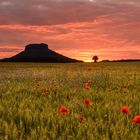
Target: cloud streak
x=109 y=28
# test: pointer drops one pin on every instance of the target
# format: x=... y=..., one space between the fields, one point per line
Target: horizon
x=75 y=28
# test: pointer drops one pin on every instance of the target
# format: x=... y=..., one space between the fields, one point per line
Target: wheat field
x=77 y=101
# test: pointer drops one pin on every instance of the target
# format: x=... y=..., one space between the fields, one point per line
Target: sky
x=75 y=28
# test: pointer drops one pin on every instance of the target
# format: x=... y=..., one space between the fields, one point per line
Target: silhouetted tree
x=95 y=58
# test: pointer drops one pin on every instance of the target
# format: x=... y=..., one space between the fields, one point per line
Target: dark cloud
x=98 y=24
x=48 y=12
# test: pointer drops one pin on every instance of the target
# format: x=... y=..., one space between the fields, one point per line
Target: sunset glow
x=74 y=28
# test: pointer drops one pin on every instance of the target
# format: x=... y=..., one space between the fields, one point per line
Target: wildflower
x=125 y=110
x=55 y=88
x=37 y=85
x=46 y=93
x=86 y=86
x=89 y=81
x=63 y=110
x=82 y=118
x=137 y=120
x=87 y=102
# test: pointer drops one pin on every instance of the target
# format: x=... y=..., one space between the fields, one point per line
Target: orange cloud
x=109 y=30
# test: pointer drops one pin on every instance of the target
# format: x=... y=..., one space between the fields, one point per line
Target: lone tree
x=95 y=58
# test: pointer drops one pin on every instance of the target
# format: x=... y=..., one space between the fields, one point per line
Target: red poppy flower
x=82 y=118
x=46 y=93
x=37 y=85
x=63 y=110
x=55 y=88
x=87 y=102
x=125 y=110
x=89 y=81
x=86 y=86
x=137 y=120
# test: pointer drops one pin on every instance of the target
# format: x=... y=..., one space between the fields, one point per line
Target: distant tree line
x=123 y=60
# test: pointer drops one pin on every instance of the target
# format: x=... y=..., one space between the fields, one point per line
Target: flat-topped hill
x=39 y=53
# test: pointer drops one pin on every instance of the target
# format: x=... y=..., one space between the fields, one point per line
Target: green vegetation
x=26 y=113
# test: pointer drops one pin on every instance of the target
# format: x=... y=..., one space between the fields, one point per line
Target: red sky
x=75 y=28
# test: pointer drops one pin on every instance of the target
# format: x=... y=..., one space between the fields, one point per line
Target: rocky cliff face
x=39 y=53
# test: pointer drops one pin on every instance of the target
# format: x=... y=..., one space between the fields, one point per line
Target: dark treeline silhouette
x=122 y=60
x=39 y=53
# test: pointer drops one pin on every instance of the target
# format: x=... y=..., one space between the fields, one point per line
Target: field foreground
x=69 y=101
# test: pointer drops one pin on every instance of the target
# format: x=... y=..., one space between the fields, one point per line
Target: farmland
x=76 y=101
